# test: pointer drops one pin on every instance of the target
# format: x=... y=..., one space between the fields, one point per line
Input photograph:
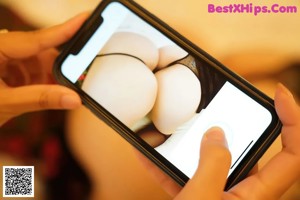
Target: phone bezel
x=246 y=163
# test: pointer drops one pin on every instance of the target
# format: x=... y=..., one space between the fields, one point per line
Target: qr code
x=18 y=181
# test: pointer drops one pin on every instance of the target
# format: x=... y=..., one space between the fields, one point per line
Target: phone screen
x=162 y=92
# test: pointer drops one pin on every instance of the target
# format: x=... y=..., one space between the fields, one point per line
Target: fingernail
x=69 y=101
x=216 y=134
x=284 y=90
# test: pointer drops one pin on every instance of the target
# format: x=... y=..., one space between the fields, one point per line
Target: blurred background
x=265 y=49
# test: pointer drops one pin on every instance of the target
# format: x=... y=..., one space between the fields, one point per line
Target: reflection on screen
x=161 y=92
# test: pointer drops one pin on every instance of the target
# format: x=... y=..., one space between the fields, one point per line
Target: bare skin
x=268 y=183
x=26 y=61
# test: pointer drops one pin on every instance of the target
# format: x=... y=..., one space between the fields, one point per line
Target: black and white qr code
x=18 y=181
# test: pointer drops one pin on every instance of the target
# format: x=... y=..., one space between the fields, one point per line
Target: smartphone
x=161 y=93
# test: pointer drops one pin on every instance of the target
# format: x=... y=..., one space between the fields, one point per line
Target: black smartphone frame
x=88 y=28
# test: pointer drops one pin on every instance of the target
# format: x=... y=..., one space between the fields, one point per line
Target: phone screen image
x=162 y=92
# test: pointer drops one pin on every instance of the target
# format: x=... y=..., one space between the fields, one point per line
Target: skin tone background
x=250 y=45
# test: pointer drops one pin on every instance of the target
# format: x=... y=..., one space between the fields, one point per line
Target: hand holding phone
x=161 y=92
x=265 y=183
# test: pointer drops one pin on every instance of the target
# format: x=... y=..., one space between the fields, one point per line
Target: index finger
x=283 y=169
x=16 y=45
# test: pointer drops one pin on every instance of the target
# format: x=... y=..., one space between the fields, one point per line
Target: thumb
x=16 y=101
x=210 y=177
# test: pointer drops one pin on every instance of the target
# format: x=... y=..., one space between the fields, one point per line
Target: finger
x=25 y=44
x=38 y=97
x=210 y=177
x=289 y=114
x=283 y=169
